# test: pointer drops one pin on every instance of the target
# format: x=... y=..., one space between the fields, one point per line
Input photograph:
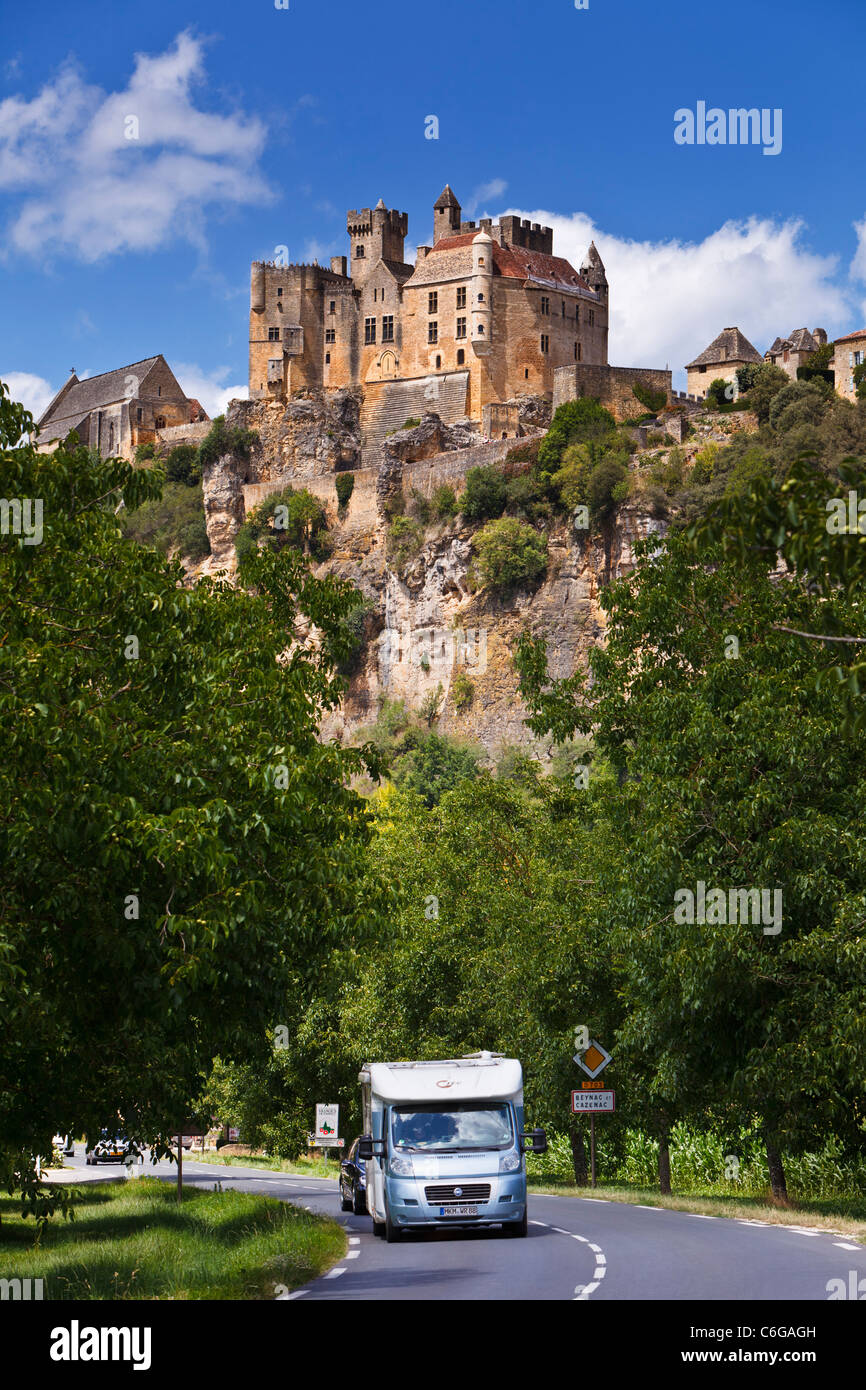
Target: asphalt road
x=578 y=1248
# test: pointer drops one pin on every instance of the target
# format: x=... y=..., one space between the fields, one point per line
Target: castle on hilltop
x=487 y=313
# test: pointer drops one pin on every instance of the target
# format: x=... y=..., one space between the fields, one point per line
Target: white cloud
x=33 y=392
x=208 y=387
x=670 y=299
x=494 y=188
x=858 y=264
x=87 y=188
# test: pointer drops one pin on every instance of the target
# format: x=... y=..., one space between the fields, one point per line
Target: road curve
x=578 y=1248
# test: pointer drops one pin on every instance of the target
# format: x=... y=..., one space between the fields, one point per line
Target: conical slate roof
x=446 y=199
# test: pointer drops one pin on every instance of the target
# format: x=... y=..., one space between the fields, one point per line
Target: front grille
x=469 y=1192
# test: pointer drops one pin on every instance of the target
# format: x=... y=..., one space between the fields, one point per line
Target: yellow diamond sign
x=593 y=1060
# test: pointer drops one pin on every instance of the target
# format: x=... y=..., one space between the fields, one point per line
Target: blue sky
x=259 y=127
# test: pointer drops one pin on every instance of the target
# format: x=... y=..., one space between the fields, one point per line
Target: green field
x=133 y=1241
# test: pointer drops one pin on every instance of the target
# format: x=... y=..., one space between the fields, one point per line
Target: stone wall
x=612 y=386
x=185 y=434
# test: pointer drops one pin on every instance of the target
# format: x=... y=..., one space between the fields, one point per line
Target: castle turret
x=257 y=287
x=375 y=236
x=592 y=271
x=446 y=215
x=482 y=292
x=820 y=336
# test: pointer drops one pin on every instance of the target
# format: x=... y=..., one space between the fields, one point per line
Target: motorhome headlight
x=510 y=1162
x=401 y=1166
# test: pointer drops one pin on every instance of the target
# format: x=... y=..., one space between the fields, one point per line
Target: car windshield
x=471 y=1126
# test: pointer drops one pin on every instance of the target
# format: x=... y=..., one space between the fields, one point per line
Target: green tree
x=510 y=553
x=179 y=848
x=485 y=494
x=435 y=766
x=182 y=465
x=574 y=422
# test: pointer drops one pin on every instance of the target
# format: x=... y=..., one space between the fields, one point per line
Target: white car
x=65 y=1143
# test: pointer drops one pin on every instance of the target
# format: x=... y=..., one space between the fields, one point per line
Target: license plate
x=458 y=1211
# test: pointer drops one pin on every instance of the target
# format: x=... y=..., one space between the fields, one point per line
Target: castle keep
x=486 y=314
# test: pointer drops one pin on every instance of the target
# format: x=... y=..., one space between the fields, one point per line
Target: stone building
x=118 y=410
x=795 y=350
x=487 y=313
x=725 y=354
x=850 y=352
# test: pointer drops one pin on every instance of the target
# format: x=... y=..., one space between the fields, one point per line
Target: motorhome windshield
x=470 y=1126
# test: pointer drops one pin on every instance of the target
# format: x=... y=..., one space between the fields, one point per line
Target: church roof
x=730 y=346
x=82 y=397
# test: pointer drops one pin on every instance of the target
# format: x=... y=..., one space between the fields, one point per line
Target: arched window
x=481 y=330
x=159 y=422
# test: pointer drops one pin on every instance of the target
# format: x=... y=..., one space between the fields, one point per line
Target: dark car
x=111 y=1149
x=353 y=1183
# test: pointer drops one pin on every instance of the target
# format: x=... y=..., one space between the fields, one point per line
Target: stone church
x=487 y=313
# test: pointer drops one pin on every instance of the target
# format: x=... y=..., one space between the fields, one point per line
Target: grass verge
x=133 y=1241
x=301 y=1167
x=847 y=1218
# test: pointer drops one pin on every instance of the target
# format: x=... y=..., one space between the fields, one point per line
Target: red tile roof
x=849 y=337
x=516 y=263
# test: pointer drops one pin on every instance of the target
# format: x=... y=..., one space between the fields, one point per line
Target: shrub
x=526 y=496
x=431 y=703
x=767 y=382
x=705 y=460
x=352 y=637
x=345 y=485
x=651 y=400
x=223 y=439
x=144 y=452
x=485 y=494
x=574 y=422
x=462 y=691
x=719 y=393
x=444 y=502
x=182 y=465
x=192 y=540
x=602 y=484
x=411 y=422
x=510 y=553
x=668 y=472
x=287 y=518
x=175 y=521
x=798 y=403
x=420 y=507
x=405 y=538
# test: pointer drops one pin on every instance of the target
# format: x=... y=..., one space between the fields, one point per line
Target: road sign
x=315 y=1141
x=593 y=1060
x=592 y=1102
x=327 y=1121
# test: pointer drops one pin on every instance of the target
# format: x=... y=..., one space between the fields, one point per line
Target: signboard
x=593 y=1060
x=592 y=1102
x=330 y=1142
x=327 y=1121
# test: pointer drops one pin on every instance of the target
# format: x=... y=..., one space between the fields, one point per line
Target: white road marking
x=844 y=1245
x=539 y=1223
x=354 y=1240
x=644 y=1208
x=299 y=1294
x=803 y=1231
x=700 y=1216
x=333 y=1273
x=352 y=1255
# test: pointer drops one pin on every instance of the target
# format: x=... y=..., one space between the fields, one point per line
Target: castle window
x=433 y=302
x=563 y=308
x=577 y=313
x=369 y=330
x=525 y=373
x=359 y=252
x=461 y=357
x=545 y=343
x=461 y=328
x=461 y=297
x=591 y=318
x=159 y=390
x=327 y=358
x=438 y=361
x=433 y=332
x=481 y=330
x=330 y=335
x=333 y=309
x=279 y=292
x=273 y=335
x=159 y=422
x=545 y=304
x=481 y=299
x=387 y=328
x=138 y=414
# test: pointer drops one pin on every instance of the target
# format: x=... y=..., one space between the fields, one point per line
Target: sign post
x=590 y=1099
x=327 y=1128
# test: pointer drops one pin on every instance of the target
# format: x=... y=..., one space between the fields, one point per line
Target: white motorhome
x=444 y=1144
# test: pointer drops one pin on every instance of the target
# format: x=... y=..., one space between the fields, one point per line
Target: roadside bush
x=485 y=494
x=510 y=553
x=345 y=486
